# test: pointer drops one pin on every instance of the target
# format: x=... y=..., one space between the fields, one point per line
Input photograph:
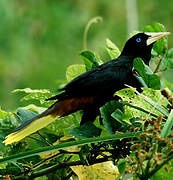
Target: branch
x=53 y=156
x=54 y=168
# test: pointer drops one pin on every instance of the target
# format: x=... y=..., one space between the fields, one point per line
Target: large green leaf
x=74 y=71
x=108 y=112
x=90 y=60
x=150 y=79
x=160 y=108
x=64 y=125
x=24 y=115
x=155 y=106
x=112 y=49
x=85 y=131
x=117 y=115
x=36 y=94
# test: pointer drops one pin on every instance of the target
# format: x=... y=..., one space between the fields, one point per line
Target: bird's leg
x=90 y=114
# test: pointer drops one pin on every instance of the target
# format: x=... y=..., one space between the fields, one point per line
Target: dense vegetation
x=135 y=137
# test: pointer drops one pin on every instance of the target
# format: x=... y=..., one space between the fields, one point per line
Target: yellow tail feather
x=34 y=126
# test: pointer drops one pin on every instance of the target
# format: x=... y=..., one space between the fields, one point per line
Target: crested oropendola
x=92 y=89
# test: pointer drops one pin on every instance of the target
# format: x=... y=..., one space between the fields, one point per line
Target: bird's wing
x=98 y=80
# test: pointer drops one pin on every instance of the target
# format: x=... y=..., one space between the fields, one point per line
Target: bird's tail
x=58 y=109
x=34 y=124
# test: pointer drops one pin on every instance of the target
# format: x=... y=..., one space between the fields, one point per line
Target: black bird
x=92 y=89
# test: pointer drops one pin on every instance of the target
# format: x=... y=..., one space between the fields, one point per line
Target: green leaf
x=112 y=49
x=74 y=71
x=98 y=59
x=154 y=104
x=34 y=108
x=90 y=60
x=67 y=145
x=109 y=122
x=121 y=166
x=150 y=100
x=86 y=131
x=64 y=125
x=24 y=115
x=167 y=61
x=160 y=46
x=36 y=94
x=151 y=80
x=118 y=114
x=141 y=81
x=167 y=126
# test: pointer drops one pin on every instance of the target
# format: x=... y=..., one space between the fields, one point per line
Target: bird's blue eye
x=138 y=40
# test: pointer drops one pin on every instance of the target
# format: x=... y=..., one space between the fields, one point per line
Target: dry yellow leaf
x=104 y=171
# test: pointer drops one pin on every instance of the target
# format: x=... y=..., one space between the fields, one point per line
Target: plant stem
x=92 y=21
x=43 y=161
x=54 y=168
x=158 y=65
x=44 y=139
x=69 y=144
x=35 y=139
x=148 y=162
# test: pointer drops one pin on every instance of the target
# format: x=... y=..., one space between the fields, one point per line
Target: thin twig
x=92 y=21
x=55 y=167
x=51 y=157
x=43 y=161
x=35 y=139
x=44 y=139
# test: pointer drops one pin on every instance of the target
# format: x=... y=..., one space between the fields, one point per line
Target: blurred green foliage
x=39 y=39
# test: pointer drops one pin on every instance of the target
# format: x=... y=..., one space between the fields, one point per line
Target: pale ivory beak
x=154 y=36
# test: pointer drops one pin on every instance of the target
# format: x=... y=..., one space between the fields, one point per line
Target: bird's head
x=140 y=45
